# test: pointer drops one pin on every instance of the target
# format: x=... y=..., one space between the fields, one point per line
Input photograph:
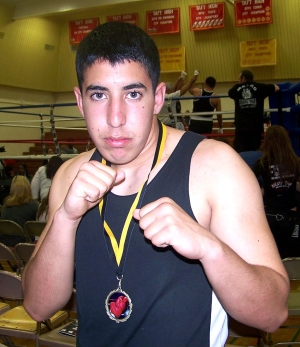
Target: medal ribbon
x=119 y=249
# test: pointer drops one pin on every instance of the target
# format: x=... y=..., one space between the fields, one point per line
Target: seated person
x=19 y=207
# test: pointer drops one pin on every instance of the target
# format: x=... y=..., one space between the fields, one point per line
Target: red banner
x=128 y=18
x=207 y=16
x=253 y=12
x=78 y=29
x=163 y=21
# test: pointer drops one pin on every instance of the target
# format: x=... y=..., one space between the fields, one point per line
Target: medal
x=118 y=304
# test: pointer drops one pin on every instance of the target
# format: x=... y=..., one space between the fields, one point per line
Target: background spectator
x=279 y=168
x=19 y=207
x=23 y=171
x=249 y=97
x=42 y=179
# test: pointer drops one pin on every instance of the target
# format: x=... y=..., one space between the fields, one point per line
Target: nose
x=116 y=113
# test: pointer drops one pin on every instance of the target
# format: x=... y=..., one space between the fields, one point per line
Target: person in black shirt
x=249 y=99
x=279 y=168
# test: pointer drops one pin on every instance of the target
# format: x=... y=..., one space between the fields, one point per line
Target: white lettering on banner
x=258 y=12
x=157 y=13
x=246 y=2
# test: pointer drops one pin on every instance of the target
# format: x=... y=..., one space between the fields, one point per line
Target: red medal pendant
x=118 y=305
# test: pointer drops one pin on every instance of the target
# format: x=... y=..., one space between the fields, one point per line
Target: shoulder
x=41 y=172
x=233 y=89
x=213 y=153
x=41 y=169
x=223 y=185
x=34 y=204
x=196 y=91
x=218 y=168
x=265 y=85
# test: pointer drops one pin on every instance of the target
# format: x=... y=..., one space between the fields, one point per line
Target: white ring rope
x=41 y=120
x=35 y=126
x=37 y=157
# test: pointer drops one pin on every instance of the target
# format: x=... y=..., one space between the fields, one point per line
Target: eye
x=134 y=95
x=98 y=96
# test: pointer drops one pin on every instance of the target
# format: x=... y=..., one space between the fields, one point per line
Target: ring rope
x=36 y=126
x=38 y=121
x=39 y=114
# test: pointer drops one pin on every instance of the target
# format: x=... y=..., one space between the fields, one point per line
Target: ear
x=78 y=96
x=159 y=97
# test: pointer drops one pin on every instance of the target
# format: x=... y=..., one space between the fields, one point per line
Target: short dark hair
x=248 y=75
x=210 y=81
x=117 y=42
x=53 y=165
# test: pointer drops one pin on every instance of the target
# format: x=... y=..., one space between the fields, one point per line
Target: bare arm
x=179 y=82
x=246 y=253
x=77 y=187
x=277 y=88
x=232 y=239
x=188 y=85
x=194 y=90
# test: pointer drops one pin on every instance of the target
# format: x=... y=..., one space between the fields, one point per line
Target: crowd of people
x=27 y=199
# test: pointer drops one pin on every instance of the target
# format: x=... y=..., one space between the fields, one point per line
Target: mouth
x=117 y=142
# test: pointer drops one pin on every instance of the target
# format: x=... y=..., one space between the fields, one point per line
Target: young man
x=204 y=124
x=192 y=251
x=249 y=99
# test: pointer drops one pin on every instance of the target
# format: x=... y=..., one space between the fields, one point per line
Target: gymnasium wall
x=213 y=52
x=37 y=61
x=25 y=62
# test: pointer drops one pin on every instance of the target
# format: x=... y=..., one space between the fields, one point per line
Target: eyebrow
x=128 y=87
x=135 y=85
x=96 y=87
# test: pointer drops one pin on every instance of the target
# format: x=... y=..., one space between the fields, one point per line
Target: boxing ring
x=283 y=110
x=44 y=122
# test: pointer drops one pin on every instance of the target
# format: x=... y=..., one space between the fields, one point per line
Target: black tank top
x=171 y=296
x=203 y=104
